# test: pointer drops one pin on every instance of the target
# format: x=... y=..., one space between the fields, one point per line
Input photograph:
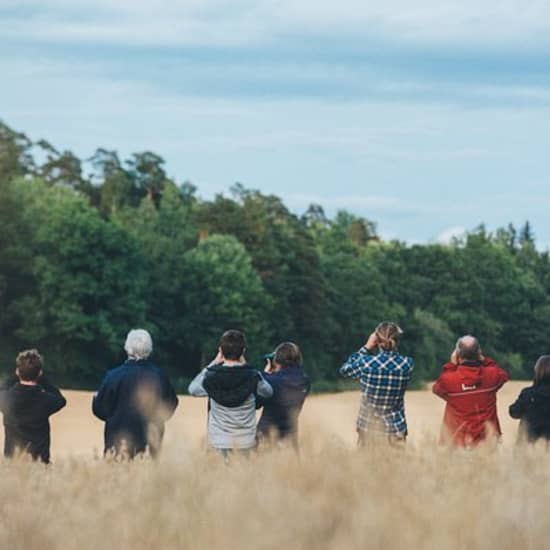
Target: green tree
x=223 y=291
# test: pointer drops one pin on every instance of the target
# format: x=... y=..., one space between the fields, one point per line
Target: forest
x=84 y=257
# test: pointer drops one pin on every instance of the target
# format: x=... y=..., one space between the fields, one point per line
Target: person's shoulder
x=115 y=373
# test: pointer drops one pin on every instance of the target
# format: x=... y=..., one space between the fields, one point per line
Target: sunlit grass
x=332 y=497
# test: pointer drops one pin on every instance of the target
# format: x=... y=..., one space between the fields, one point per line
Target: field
x=334 y=497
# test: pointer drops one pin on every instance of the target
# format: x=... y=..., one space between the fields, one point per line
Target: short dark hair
x=287 y=354
x=468 y=348
x=29 y=365
x=542 y=370
x=233 y=344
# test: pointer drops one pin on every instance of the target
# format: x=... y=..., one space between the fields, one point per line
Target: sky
x=427 y=117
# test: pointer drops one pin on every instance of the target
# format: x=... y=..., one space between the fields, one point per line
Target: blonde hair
x=388 y=334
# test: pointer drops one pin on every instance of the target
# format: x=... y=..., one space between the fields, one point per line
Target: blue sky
x=426 y=117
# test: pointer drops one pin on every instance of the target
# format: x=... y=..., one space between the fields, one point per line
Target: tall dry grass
x=332 y=498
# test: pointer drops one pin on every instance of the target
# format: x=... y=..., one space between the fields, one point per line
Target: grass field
x=334 y=497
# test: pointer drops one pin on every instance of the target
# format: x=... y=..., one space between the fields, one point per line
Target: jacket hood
x=230 y=386
x=470 y=375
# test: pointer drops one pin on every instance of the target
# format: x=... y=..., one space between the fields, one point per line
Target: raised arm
x=439 y=388
x=196 y=389
x=355 y=363
x=263 y=389
x=518 y=408
x=55 y=400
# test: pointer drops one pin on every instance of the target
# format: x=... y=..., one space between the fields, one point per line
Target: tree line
x=84 y=257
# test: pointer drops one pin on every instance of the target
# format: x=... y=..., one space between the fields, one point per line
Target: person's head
x=468 y=348
x=542 y=370
x=387 y=335
x=233 y=345
x=139 y=344
x=287 y=355
x=29 y=365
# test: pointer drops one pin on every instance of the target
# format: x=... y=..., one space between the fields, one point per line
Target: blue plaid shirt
x=384 y=378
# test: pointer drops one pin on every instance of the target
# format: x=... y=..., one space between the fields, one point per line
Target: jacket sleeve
x=196 y=388
x=271 y=379
x=104 y=400
x=355 y=363
x=502 y=376
x=170 y=400
x=439 y=387
x=54 y=398
x=263 y=389
x=519 y=407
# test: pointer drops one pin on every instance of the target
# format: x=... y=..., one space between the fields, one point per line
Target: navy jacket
x=27 y=410
x=280 y=415
x=134 y=400
x=532 y=407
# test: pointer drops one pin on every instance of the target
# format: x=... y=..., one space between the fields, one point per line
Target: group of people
x=136 y=398
x=468 y=384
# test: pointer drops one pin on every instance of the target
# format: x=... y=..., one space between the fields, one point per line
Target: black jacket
x=230 y=386
x=26 y=412
x=533 y=408
x=290 y=389
x=134 y=400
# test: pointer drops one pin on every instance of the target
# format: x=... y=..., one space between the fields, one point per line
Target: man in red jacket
x=469 y=384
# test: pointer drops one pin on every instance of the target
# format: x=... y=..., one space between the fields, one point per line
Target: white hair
x=139 y=344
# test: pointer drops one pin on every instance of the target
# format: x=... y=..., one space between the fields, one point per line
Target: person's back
x=135 y=400
x=232 y=387
x=27 y=404
x=290 y=386
x=384 y=375
x=469 y=386
x=532 y=407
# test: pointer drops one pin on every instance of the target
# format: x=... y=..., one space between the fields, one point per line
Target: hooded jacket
x=470 y=390
x=232 y=393
x=290 y=389
x=532 y=407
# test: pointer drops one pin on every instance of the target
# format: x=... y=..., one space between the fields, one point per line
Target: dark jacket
x=230 y=386
x=26 y=412
x=532 y=407
x=280 y=415
x=134 y=400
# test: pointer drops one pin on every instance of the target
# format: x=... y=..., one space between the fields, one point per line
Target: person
x=285 y=373
x=135 y=400
x=532 y=407
x=27 y=401
x=384 y=375
x=469 y=384
x=232 y=387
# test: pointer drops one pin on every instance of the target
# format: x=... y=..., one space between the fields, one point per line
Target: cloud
x=224 y=22
x=454 y=232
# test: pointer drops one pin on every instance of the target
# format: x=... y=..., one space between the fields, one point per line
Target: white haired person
x=384 y=375
x=135 y=400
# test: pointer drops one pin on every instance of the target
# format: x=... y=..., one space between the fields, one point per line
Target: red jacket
x=470 y=390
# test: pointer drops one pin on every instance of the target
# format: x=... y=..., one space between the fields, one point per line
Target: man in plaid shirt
x=384 y=375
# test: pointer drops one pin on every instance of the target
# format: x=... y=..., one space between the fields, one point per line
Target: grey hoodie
x=231 y=427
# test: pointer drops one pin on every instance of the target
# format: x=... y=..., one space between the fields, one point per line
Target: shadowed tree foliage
x=83 y=259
